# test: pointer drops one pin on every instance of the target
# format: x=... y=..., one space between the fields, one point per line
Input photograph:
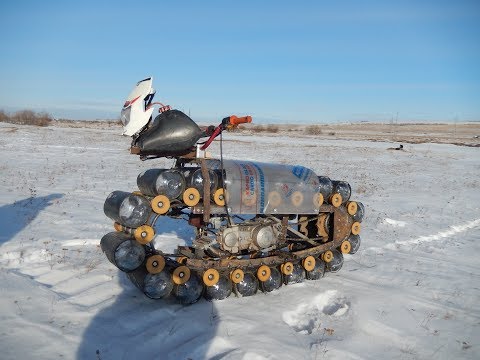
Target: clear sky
x=280 y=61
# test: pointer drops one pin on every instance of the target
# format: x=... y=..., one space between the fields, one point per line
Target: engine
x=259 y=234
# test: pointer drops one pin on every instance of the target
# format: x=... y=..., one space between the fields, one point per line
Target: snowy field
x=411 y=292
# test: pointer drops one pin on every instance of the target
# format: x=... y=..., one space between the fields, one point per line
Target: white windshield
x=134 y=115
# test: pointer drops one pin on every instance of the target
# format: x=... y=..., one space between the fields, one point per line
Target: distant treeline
x=29 y=117
x=26 y=117
x=273 y=129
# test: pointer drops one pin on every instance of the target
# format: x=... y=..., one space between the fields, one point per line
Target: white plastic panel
x=134 y=116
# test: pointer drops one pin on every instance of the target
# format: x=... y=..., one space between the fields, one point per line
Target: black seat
x=172 y=134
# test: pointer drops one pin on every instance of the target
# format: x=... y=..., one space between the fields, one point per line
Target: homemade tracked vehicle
x=258 y=225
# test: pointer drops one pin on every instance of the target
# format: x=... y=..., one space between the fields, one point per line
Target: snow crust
x=411 y=292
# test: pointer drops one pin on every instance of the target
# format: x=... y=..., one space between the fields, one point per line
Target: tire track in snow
x=452 y=230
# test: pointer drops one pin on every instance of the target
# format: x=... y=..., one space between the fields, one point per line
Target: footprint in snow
x=312 y=316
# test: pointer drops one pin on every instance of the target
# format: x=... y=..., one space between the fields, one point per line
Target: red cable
x=215 y=133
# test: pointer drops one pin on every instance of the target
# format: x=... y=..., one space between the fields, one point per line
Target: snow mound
x=311 y=316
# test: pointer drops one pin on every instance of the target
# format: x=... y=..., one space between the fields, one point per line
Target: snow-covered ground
x=411 y=292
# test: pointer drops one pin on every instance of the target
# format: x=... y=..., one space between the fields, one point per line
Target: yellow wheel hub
x=346 y=247
x=211 y=277
x=327 y=256
x=263 y=273
x=309 y=263
x=181 y=275
x=297 y=198
x=356 y=227
x=155 y=264
x=144 y=234
x=274 y=198
x=160 y=204
x=336 y=200
x=219 y=197
x=352 y=208
x=249 y=200
x=287 y=268
x=191 y=197
x=237 y=276
x=317 y=200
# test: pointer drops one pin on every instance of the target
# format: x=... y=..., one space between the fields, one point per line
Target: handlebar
x=235 y=120
x=228 y=122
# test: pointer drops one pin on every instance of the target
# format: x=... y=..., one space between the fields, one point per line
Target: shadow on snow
x=136 y=327
x=14 y=217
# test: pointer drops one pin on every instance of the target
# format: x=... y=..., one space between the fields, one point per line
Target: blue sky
x=292 y=61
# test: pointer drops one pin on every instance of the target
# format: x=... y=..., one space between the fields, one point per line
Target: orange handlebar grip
x=234 y=120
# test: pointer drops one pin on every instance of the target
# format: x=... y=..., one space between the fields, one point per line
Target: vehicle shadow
x=137 y=327
x=15 y=217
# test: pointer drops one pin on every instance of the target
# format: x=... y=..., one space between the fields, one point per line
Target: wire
x=162 y=108
x=229 y=219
